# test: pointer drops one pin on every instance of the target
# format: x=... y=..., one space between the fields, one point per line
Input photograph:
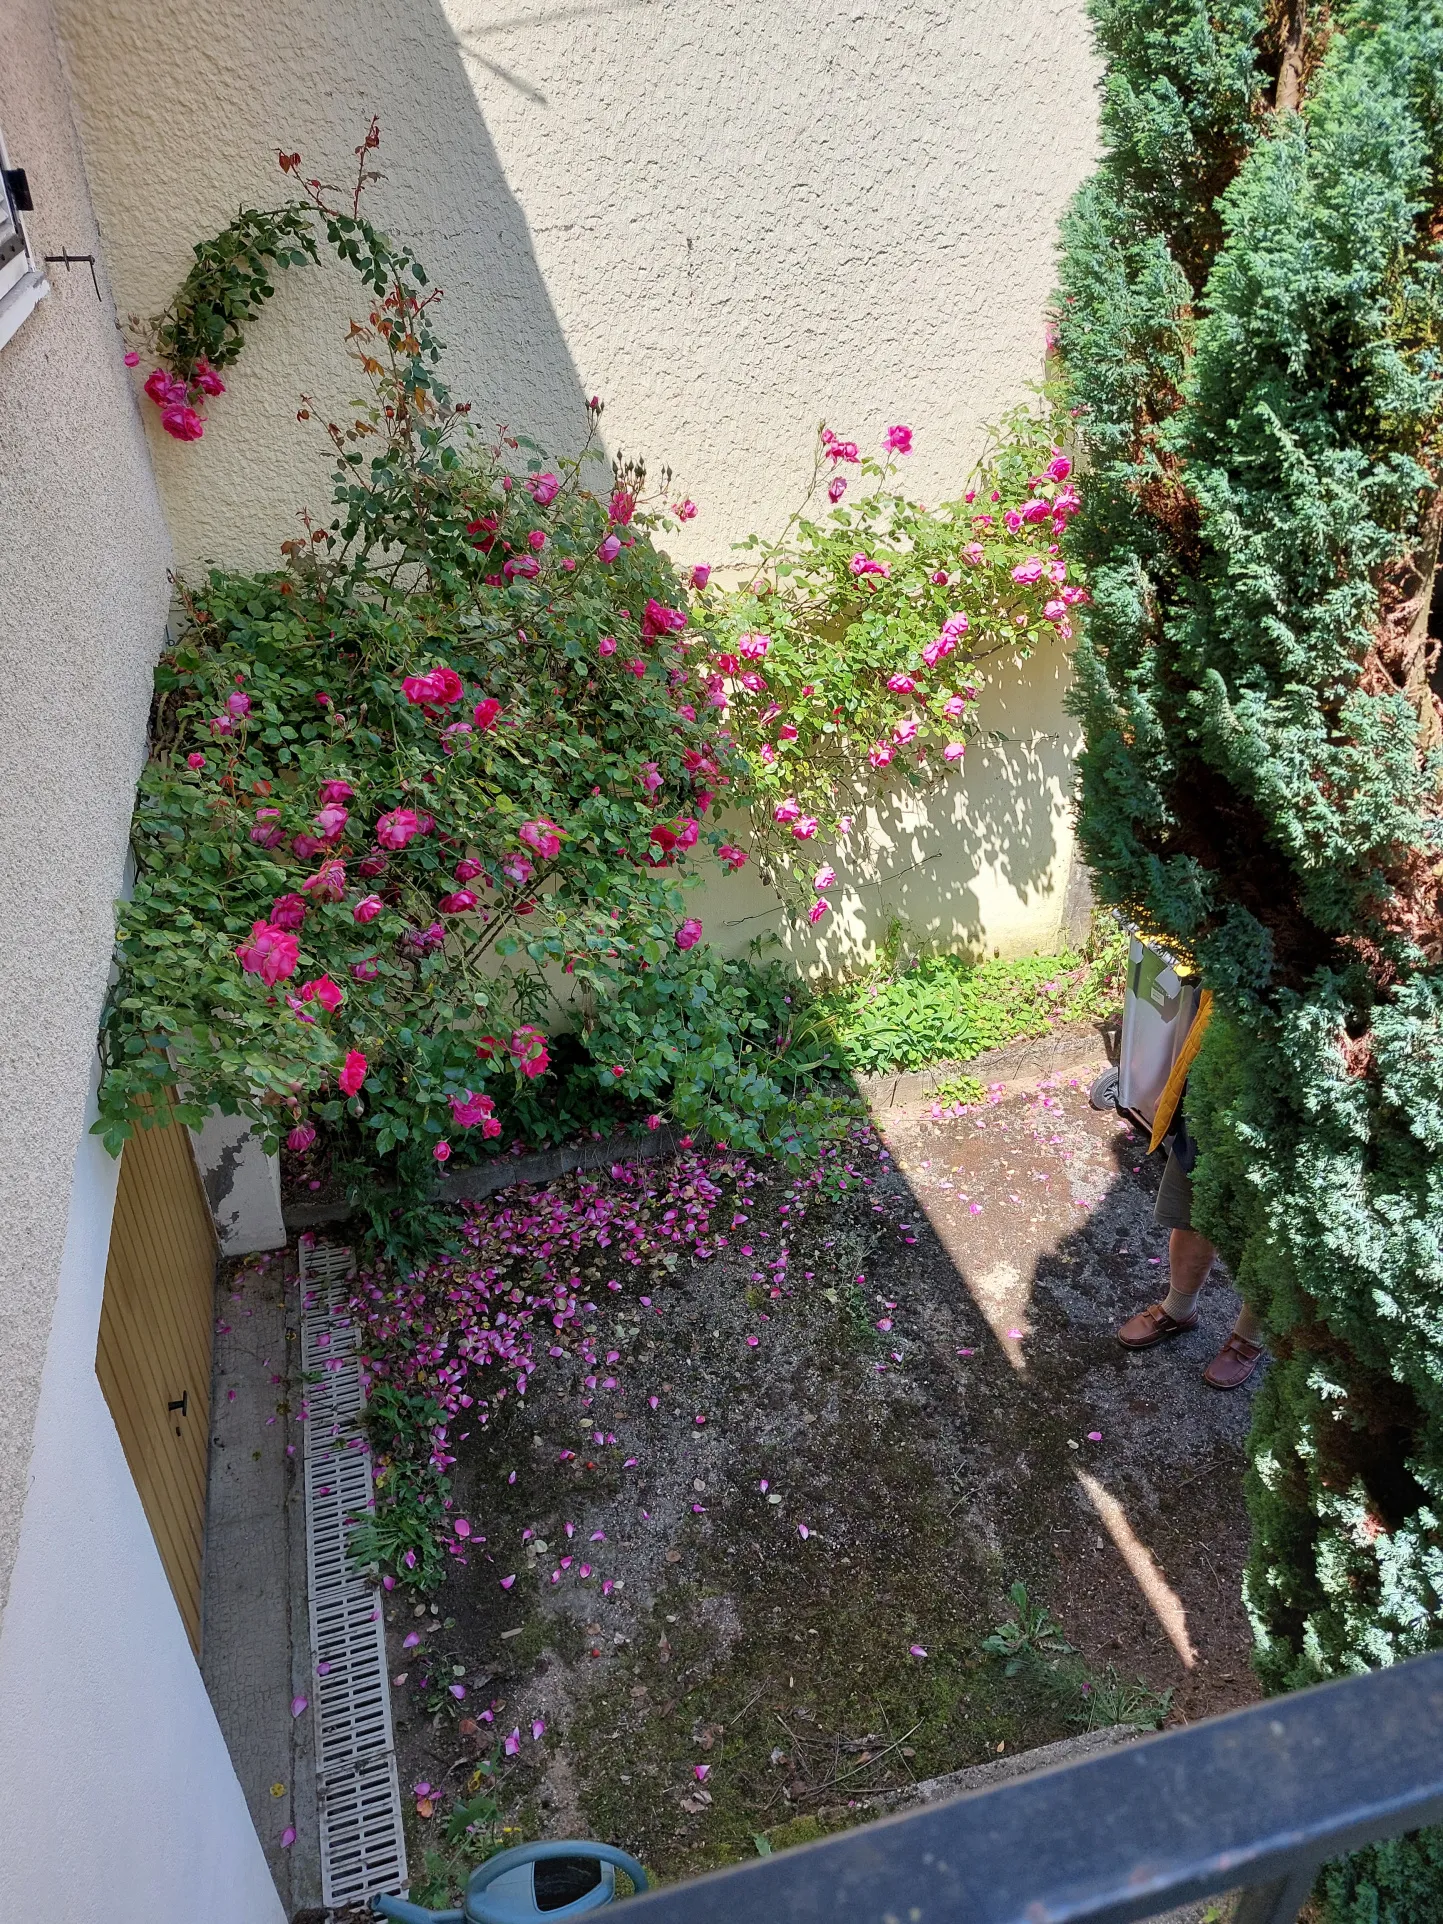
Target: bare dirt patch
x=832 y=1447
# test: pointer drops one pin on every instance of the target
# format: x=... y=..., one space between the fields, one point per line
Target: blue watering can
x=558 y=1879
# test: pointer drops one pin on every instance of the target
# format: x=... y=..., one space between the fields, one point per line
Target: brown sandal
x=1153 y=1325
x=1233 y=1364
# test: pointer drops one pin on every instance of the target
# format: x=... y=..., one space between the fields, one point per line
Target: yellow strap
x=1187 y=1055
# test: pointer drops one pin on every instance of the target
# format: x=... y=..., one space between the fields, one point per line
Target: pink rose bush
x=391 y=807
x=877 y=616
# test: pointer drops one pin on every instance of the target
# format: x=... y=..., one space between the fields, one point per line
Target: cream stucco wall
x=730 y=219
x=83 y=557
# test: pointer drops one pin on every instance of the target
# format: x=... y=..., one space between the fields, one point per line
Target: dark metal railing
x=1258 y=1799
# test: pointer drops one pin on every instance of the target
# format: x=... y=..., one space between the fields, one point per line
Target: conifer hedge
x=1251 y=327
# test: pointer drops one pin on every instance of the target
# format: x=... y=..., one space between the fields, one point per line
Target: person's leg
x=1189 y=1258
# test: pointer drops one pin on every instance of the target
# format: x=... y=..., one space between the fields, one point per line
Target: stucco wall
x=120 y=1800
x=83 y=556
x=730 y=219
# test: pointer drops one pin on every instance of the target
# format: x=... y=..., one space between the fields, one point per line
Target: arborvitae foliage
x=1251 y=320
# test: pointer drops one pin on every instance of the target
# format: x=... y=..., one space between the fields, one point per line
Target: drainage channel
x=363 y=1847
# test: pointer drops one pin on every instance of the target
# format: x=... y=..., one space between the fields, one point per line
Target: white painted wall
x=120 y=1800
x=83 y=598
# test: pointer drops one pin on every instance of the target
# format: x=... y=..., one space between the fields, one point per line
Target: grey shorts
x=1173 y=1208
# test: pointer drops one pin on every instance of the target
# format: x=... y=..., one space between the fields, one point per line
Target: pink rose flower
x=366 y=971
x=397 y=828
x=517 y=868
x=734 y=858
x=181 y=421
x=862 y=564
x=196 y=760
x=528 y=1048
x=805 y=828
x=904 y=730
x=1036 y=511
x=610 y=548
x=288 y=911
x=331 y=820
x=321 y=989
x=686 y=510
x=328 y=884
x=1054 y=611
x=305 y=846
x=131 y=358
x=954 y=751
x=469 y=1110
x=754 y=647
x=786 y=811
x=836 y=488
x=367 y=909
x=898 y=440
x=1028 y=571
x=818 y=909
x=335 y=792
x=1012 y=521
x=467 y=869
x=440 y=685
x=1059 y=467
x=485 y=713
x=206 y=378
x=162 y=386
x=271 y=953
x=458 y=902
x=901 y=684
x=536 y=540
x=700 y=576
x=689 y=934
x=975 y=553
x=650 y=777
x=657 y=620
x=266 y=831
x=300 y=1138
x=353 y=1075
x=620 y=508
x=940 y=578
x=825 y=878
x=606 y=646
x=544 y=489
x=525 y=565
x=880 y=754
x=542 y=835
x=954 y=706
x=442 y=1151
x=238 y=704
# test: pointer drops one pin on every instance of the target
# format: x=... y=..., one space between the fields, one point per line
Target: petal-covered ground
x=733 y=1561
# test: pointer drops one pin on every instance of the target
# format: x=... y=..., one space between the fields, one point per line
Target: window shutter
x=22 y=282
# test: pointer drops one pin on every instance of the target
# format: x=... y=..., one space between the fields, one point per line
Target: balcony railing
x=1258 y=1799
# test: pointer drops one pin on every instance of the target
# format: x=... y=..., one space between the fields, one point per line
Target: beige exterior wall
x=83 y=558
x=728 y=218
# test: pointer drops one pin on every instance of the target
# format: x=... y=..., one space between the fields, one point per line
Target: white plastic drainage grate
x=363 y=1848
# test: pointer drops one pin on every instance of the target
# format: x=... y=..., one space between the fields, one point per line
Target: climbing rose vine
x=450 y=768
x=853 y=661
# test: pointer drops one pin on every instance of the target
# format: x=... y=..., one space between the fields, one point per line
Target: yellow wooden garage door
x=154 y=1354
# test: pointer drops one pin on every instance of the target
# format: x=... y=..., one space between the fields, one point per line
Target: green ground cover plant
x=946 y=1008
x=1250 y=322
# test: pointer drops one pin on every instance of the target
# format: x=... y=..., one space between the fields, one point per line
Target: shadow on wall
x=983 y=863
x=171 y=162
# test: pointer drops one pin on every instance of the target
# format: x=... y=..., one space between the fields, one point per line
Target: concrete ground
x=255 y=1631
